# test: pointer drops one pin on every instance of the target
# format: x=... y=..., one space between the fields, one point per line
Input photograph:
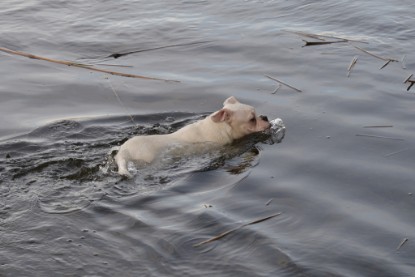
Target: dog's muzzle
x=264 y=117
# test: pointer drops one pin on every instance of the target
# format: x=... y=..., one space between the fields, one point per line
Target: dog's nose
x=264 y=117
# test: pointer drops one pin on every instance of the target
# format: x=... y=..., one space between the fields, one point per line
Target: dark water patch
x=60 y=174
x=67 y=165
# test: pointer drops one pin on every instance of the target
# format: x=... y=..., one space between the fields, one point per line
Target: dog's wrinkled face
x=241 y=117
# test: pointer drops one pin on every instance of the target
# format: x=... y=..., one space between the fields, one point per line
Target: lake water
x=342 y=178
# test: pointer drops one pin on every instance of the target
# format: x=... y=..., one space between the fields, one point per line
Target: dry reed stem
x=374 y=55
x=314 y=43
x=402 y=243
x=320 y=37
x=396 y=152
x=221 y=235
x=305 y=34
x=408 y=79
x=276 y=90
x=385 y=64
x=382 y=137
x=285 y=84
x=352 y=64
x=403 y=62
x=118 y=55
x=378 y=126
x=31 y=56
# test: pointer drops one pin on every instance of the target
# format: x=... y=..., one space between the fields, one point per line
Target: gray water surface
x=342 y=178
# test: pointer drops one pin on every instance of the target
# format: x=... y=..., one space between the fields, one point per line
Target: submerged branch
x=31 y=56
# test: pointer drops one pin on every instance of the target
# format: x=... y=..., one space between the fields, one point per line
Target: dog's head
x=241 y=118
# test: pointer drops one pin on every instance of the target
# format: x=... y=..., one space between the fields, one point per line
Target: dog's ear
x=222 y=115
x=230 y=100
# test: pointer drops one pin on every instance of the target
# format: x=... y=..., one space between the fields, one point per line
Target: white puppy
x=235 y=120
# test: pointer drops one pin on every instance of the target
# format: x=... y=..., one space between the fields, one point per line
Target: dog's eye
x=253 y=120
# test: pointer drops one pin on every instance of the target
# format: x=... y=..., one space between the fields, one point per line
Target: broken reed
x=224 y=234
x=80 y=65
x=282 y=83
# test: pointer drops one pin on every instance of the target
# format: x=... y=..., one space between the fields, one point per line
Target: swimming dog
x=234 y=121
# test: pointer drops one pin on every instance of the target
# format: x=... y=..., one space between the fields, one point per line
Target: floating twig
x=305 y=34
x=385 y=64
x=378 y=126
x=396 y=152
x=314 y=43
x=408 y=79
x=31 y=56
x=285 y=84
x=405 y=240
x=352 y=40
x=321 y=37
x=115 y=65
x=118 y=55
x=403 y=62
x=352 y=64
x=374 y=55
x=278 y=87
x=269 y=202
x=382 y=137
x=235 y=229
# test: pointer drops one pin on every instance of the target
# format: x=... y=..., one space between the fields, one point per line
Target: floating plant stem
x=118 y=55
x=385 y=64
x=278 y=87
x=285 y=84
x=68 y=63
x=408 y=79
x=405 y=240
x=374 y=136
x=374 y=55
x=352 y=64
x=403 y=62
x=224 y=234
x=314 y=43
x=378 y=126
